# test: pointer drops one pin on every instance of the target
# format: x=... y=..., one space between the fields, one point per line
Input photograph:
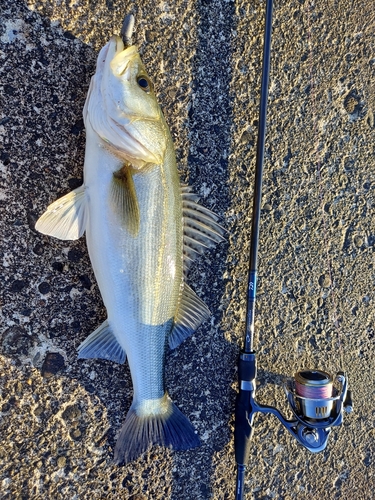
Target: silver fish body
x=142 y=231
x=140 y=294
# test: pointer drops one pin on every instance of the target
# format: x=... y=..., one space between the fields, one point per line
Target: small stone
x=38 y=249
x=86 y=282
x=77 y=127
x=18 y=285
x=58 y=266
x=74 y=183
x=351 y=103
x=15 y=341
x=247 y=138
x=53 y=363
x=38 y=411
x=75 y=255
x=151 y=36
x=44 y=287
x=71 y=412
x=61 y=462
x=324 y=281
x=358 y=241
x=76 y=325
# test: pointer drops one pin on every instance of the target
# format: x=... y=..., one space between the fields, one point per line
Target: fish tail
x=140 y=431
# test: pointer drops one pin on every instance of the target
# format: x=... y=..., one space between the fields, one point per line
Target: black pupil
x=142 y=82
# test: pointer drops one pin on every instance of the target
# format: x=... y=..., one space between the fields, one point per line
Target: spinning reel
x=317 y=400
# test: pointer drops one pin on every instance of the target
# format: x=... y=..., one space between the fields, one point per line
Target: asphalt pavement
x=59 y=416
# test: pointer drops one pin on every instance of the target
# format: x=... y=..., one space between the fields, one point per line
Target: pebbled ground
x=60 y=416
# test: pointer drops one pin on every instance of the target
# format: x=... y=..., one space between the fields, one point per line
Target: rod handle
x=243 y=430
x=240 y=482
x=244 y=415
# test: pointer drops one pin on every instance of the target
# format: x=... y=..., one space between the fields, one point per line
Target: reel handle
x=348 y=403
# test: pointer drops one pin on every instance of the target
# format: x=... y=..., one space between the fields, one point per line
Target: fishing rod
x=317 y=398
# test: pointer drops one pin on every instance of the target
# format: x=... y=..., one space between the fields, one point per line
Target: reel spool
x=313 y=393
x=316 y=397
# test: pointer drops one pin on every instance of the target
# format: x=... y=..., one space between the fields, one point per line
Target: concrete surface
x=60 y=416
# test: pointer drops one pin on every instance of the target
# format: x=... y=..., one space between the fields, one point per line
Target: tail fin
x=169 y=428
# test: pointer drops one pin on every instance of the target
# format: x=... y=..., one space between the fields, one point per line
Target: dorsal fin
x=201 y=229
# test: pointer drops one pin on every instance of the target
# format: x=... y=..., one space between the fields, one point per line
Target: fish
x=143 y=230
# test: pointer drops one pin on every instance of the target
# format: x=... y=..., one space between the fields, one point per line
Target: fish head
x=122 y=109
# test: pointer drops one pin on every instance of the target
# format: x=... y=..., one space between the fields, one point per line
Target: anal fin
x=102 y=344
x=192 y=311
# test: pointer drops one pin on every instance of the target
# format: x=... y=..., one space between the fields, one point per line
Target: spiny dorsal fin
x=66 y=217
x=192 y=311
x=201 y=229
x=124 y=199
x=102 y=344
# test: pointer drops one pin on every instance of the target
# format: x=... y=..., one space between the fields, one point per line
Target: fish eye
x=144 y=83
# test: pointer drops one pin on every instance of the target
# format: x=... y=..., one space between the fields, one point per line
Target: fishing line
x=314 y=384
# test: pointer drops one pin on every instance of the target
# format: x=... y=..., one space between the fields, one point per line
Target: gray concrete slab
x=60 y=416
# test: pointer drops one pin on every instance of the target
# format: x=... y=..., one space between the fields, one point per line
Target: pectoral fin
x=124 y=199
x=66 y=217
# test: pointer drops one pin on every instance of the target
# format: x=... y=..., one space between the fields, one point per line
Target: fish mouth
x=121 y=129
x=119 y=45
x=113 y=48
x=110 y=51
